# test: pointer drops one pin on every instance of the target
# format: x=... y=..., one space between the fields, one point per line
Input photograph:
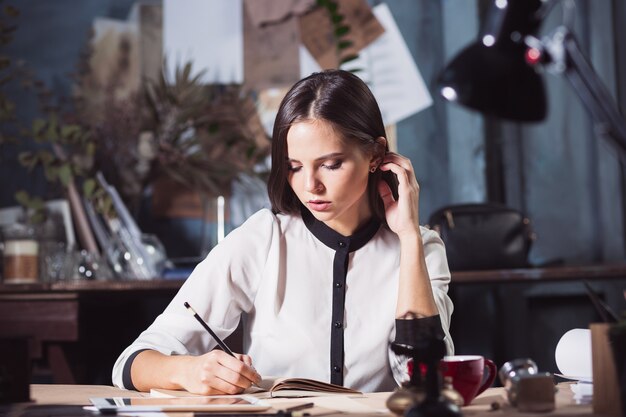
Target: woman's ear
x=380 y=151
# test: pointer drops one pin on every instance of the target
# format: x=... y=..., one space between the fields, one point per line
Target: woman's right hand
x=216 y=372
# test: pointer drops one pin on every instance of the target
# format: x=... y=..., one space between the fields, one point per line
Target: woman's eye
x=332 y=166
x=293 y=168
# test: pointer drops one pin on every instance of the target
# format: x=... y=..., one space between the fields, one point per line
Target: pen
x=219 y=341
x=298 y=407
x=208 y=329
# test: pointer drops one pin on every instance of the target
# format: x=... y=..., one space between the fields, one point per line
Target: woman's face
x=329 y=175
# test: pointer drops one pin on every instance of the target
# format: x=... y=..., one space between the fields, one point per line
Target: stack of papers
x=583 y=392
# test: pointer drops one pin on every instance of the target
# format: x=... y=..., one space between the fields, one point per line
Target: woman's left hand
x=402 y=214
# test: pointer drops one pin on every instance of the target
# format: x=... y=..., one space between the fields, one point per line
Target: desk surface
x=55 y=394
x=589 y=272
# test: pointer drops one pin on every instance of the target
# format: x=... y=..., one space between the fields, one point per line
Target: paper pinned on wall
x=268 y=12
x=208 y=33
x=388 y=68
x=270 y=51
x=318 y=33
x=113 y=41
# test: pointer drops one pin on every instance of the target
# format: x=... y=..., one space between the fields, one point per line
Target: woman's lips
x=319 y=205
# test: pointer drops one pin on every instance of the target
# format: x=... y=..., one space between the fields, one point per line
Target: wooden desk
x=79 y=328
x=522 y=313
x=563 y=273
x=481 y=407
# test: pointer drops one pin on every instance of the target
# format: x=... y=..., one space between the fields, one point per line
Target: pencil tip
x=187 y=305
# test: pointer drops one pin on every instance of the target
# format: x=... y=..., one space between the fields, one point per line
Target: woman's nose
x=312 y=183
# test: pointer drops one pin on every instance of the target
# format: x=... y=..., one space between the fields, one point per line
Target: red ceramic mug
x=471 y=374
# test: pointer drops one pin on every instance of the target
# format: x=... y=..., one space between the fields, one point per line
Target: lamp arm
x=593 y=93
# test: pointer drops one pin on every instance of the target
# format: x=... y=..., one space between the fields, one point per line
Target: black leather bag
x=483 y=236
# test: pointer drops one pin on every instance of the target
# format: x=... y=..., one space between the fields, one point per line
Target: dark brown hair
x=343 y=100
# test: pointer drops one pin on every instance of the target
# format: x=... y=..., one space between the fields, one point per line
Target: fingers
x=402 y=168
x=244 y=358
x=401 y=213
x=385 y=193
x=397 y=159
x=241 y=370
x=221 y=373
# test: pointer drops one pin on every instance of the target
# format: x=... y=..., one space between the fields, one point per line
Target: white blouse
x=280 y=274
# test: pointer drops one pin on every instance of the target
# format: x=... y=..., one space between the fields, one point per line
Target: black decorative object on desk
x=429 y=349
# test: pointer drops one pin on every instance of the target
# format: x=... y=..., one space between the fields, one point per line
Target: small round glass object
x=512 y=371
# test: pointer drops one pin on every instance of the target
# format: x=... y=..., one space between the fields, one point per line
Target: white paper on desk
x=208 y=33
x=345 y=404
x=129 y=414
x=573 y=355
x=388 y=69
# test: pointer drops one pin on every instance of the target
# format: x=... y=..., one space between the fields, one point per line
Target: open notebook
x=278 y=388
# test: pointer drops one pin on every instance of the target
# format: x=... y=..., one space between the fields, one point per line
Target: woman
x=323 y=280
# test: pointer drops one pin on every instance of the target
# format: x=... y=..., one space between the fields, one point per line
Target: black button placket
x=342 y=246
x=340 y=270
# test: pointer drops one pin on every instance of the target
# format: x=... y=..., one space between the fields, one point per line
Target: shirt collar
x=335 y=240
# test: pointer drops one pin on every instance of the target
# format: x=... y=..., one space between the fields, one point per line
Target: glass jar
x=52 y=250
x=20 y=254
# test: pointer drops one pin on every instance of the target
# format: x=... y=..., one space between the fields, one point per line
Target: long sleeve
x=220 y=288
x=438 y=325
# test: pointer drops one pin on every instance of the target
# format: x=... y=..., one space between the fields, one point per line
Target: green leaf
x=27 y=159
x=65 y=174
x=342 y=31
x=89 y=187
x=22 y=198
x=106 y=206
x=250 y=151
x=38 y=126
x=52 y=133
x=52 y=173
x=348 y=59
x=45 y=157
x=337 y=18
x=37 y=203
x=68 y=131
x=38 y=217
x=344 y=44
x=90 y=149
x=332 y=6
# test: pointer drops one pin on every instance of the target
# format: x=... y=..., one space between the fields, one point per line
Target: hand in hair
x=402 y=214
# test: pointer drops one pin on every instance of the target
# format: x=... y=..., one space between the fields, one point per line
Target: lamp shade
x=495 y=82
x=492 y=74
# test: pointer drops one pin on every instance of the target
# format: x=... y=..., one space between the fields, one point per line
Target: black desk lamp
x=499 y=74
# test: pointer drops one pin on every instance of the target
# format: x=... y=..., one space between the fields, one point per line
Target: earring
x=373 y=169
